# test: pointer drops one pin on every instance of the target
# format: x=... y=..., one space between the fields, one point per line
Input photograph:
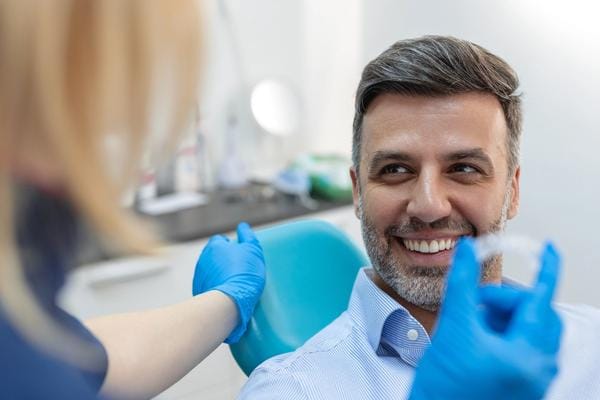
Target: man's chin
x=434 y=271
x=418 y=285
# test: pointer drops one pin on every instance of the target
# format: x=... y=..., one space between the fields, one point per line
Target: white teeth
x=428 y=247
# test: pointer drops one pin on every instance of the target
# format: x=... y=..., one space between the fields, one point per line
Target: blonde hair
x=75 y=77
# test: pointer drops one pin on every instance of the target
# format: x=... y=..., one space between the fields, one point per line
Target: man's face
x=432 y=169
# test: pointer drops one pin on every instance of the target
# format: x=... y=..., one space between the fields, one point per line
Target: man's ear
x=514 y=195
x=355 y=190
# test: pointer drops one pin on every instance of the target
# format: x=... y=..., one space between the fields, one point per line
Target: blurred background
x=273 y=132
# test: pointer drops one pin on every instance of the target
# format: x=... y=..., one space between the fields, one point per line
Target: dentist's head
x=79 y=78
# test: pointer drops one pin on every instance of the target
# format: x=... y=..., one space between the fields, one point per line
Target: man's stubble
x=422 y=286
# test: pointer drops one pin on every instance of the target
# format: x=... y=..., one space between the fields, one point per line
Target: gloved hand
x=494 y=342
x=236 y=269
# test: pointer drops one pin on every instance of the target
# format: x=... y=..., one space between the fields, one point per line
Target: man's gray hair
x=439 y=66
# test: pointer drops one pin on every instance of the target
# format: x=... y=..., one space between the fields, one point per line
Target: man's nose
x=429 y=201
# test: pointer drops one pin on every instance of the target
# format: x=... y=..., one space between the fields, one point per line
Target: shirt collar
x=390 y=329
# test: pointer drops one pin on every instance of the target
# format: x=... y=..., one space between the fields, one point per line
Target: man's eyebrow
x=384 y=156
x=476 y=154
x=470 y=154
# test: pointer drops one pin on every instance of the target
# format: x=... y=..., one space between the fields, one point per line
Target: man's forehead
x=388 y=105
x=451 y=122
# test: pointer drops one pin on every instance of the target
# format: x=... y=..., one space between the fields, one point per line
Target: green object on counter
x=329 y=176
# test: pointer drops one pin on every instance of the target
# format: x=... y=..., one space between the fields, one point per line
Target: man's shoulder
x=322 y=345
x=579 y=313
x=581 y=324
x=305 y=370
x=341 y=349
x=579 y=356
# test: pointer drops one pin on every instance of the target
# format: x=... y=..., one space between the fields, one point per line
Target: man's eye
x=464 y=168
x=394 y=169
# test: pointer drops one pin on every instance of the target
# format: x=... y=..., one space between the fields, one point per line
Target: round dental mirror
x=275 y=107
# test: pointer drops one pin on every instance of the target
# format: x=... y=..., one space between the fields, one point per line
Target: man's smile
x=429 y=246
x=429 y=249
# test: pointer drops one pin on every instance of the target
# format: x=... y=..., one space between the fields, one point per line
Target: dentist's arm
x=492 y=343
x=151 y=350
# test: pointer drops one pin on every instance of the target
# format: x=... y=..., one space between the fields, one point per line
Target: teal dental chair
x=311 y=267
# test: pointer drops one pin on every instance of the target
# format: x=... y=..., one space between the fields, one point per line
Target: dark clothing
x=46 y=235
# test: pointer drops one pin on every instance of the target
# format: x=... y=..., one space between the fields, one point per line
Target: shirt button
x=412 y=334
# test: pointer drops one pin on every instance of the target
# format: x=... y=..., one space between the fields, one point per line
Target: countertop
x=257 y=205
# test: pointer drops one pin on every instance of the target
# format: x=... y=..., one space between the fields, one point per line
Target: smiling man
x=435 y=157
x=428 y=170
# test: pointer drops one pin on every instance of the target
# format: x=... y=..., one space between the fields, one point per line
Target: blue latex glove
x=236 y=269
x=493 y=342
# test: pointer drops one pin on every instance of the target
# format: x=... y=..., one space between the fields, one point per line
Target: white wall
x=268 y=36
x=333 y=48
x=553 y=45
x=313 y=46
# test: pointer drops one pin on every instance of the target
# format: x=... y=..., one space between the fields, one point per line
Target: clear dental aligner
x=489 y=245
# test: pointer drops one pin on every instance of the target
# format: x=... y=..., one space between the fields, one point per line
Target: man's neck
x=425 y=317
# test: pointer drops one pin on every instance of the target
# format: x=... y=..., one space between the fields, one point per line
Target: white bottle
x=186 y=173
x=232 y=172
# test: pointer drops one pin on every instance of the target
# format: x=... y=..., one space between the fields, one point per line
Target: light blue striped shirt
x=371 y=350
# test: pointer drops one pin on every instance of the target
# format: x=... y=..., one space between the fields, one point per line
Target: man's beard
x=422 y=286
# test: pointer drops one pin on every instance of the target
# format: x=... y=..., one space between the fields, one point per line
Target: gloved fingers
x=245 y=233
x=549 y=273
x=501 y=298
x=536 y=315
x=545 y=287
x=217 y=239
x=498 y=305
x=463 y=279
x=542 y=327
x=553 y=332
x=549 y=330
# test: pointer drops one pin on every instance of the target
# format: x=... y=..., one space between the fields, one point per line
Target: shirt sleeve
x=269 y=385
